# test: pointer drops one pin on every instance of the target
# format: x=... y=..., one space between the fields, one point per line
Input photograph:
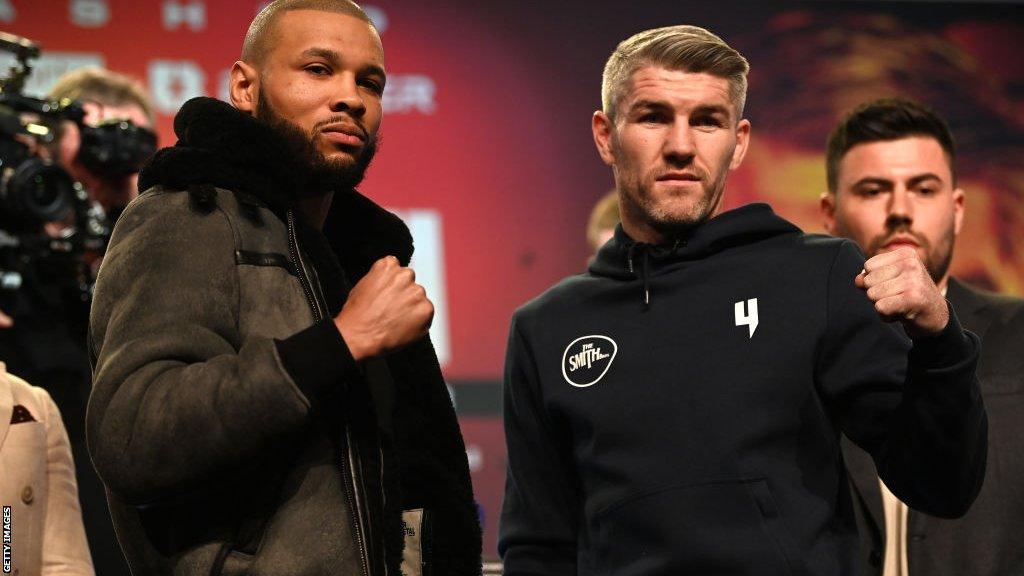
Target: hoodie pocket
x=715 y=527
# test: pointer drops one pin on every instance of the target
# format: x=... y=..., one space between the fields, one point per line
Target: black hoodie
x=677 y=409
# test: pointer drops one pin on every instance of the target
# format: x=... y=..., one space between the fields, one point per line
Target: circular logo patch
x=587 y=359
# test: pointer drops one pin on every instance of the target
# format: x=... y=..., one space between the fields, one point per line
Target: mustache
x=341 y=119
x=691 y=169
x=880 y=241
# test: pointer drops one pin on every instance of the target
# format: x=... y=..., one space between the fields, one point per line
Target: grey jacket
x=233 y=430
x=987 y=540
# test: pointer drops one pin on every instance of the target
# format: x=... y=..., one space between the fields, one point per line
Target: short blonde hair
x=682 y=47
x=604 y=216
x=93 y=84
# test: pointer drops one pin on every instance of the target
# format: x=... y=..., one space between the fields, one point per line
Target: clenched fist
x=385 y=311
x=899 y=285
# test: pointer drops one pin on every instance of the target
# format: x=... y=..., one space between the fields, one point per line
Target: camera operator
x=105 y=96
x=43 y=322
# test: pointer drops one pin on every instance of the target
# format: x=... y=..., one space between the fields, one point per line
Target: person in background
x=107 y=97
x=604 y=217
x=37 y=482
x=892 y=183
x=43 y=324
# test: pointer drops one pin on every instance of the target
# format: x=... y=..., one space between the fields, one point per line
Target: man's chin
x=340 y=158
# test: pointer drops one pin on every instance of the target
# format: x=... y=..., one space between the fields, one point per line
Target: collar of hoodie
x=638 y=261
x=622 y=258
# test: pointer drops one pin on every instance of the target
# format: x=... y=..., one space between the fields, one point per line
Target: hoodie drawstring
x=643 y=270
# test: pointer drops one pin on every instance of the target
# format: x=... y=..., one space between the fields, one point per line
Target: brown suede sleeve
x=181 y=398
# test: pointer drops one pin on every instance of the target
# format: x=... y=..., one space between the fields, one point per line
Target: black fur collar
x=224 y=147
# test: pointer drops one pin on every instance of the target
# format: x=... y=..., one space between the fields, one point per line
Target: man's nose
x=679 y=145
x=901 y=203
x=346 y=96
x=901 y=208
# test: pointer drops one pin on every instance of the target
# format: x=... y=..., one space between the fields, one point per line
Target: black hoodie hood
x=221 y=146
x=623 y=258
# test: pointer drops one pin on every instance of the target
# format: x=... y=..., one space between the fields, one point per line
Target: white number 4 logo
x=747 y=317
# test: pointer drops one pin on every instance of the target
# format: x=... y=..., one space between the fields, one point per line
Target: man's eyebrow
x=331 y=56
x=711 y=109
x=923 y=178
x=334 y=58
x=648 y=104
x=872 y=180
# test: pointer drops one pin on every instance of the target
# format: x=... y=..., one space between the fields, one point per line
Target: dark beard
x=325 y=174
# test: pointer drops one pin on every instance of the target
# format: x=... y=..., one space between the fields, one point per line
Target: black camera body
x=36 y=191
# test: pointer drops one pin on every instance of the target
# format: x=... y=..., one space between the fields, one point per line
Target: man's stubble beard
x=334 y=173
x=640 y=202
x=936 y=259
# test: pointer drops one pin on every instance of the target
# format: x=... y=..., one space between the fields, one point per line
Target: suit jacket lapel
x=6 y=403
x=970 y=308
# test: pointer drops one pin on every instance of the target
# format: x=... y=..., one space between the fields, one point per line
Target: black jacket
x=677 y=409
x=988 y=539
x=233 y=429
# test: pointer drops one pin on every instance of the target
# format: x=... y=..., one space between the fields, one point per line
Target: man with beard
x=266 y=399
x=892 y=183
x=677 y=409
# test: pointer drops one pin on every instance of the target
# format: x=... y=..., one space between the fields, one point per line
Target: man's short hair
x=103 y=87
x=884 y=120
x=254 y=48
x=686 y=48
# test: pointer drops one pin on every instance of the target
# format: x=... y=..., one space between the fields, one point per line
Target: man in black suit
x=892 y=183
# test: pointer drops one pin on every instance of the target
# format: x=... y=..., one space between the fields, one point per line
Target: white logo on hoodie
x=749 y=316
x=587 y=359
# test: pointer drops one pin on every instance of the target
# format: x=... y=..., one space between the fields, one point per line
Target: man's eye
x=707 y=121
x=870 y=192
x=318 y=70
x=925 y=191
x=650 y=118
x=373 y=86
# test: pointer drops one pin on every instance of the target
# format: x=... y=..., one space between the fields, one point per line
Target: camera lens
x=40 y=191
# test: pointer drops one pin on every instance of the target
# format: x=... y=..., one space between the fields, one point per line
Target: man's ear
x=243 y=87
x=827 y=207
x=742 y=141
x=959 y=203
x=602 y=128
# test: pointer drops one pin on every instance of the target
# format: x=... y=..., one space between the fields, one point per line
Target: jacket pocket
x=715 y=527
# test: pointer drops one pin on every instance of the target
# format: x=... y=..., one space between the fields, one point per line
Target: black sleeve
x=302 y=356
x=540 y=516
x=916 y=406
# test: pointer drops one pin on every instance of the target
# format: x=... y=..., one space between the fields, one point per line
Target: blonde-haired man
x=37 y=486
x=604 y=217
x=677 y=409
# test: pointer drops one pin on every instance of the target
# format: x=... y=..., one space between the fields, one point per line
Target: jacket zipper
x=352 y=491
x=300 y=268
x=348 y=472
